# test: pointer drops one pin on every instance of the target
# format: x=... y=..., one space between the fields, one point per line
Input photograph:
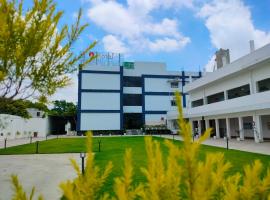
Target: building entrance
x=133 y=121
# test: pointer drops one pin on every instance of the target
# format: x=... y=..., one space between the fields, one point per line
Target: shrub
x=180 y=176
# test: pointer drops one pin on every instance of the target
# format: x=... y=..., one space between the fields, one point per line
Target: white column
x=217 y=128
x=257 y=128
x=251 y=83
x=204 y=97
x=199 y=128
x=192 y=127
x=225 y=95
x=241 y=128
x=228 y=128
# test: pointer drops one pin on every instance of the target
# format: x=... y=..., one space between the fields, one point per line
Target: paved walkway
x=247 y=145
x=44 y=171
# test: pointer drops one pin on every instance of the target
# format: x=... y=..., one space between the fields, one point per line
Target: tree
x=19 y=107
x=36 y=55
x=38 y=105
x=14 y=107
x=63 y=109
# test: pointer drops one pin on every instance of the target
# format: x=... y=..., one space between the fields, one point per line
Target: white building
x=114 y=97
x=12 y=127
x=234 y=100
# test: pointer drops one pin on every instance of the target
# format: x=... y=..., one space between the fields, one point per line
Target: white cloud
x=168 y=44
x=114 y=19
x=143 y=7
x=133 y=27
x=113 y=44
x=230 y=25
x=210 y=66
x=167 y=27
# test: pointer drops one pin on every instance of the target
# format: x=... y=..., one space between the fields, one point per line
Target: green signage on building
x=129 y=65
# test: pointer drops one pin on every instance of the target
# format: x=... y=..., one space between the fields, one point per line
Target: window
x=215 y=98
x=173 y=103
x=132 y=100
x=38 y=114
x=239 y=91
x=264 y=85
x=132 y=81
x=174 y=84
x=197 y=103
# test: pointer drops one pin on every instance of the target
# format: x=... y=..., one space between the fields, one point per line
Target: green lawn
x=113 y=149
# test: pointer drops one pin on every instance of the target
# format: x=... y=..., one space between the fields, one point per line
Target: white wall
x=101 y=68
x=146 y=68
x=34 y=112
x=100 y=121
x=158 y=103
x=101 y=81
x=132 y=109
x=159 y=85
x=196 y=95
x=228 y=84
x=17 y=127
x=100 y=101
x=132 y=90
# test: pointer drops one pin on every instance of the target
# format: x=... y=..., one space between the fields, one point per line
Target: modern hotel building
x=116 y=97
x=234 y=100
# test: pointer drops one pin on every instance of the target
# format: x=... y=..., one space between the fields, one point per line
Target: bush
x=180 y=176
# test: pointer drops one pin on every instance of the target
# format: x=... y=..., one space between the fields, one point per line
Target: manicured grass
x=113 y=149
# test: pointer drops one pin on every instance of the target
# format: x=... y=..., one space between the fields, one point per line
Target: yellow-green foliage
x=88 y=185
x=20 y=194
x=180 y=176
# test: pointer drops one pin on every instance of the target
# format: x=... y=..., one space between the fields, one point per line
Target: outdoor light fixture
x=82 y=156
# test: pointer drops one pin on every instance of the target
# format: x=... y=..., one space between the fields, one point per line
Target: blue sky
x=183 y=33
x=193 y=55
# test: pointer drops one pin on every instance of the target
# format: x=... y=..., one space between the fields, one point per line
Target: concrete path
x=44 y=171
x=247 y=145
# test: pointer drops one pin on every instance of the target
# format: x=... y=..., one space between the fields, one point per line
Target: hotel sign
x=106 y=58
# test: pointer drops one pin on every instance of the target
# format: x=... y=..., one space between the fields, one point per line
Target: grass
x=113 y=149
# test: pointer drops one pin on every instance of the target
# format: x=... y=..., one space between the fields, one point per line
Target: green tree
x=63 y=109
x=36 y=54
x=19 y=107
x=14 y=107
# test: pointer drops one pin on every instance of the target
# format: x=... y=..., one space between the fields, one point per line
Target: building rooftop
x=246 y=62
